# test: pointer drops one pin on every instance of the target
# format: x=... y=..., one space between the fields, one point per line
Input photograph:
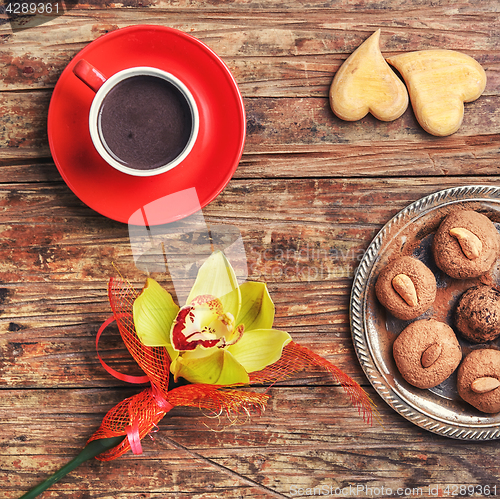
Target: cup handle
x=89 y=75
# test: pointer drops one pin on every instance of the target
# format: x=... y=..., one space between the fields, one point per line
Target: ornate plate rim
x=358 y=318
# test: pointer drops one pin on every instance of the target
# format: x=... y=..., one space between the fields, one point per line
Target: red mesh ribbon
x=296 y=358
x=154 y=361
x=140 y=410
x=122 y=377
x=136 y=416
x=144 y=412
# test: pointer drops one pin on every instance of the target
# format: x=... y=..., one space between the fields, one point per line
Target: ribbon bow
x=136 y=416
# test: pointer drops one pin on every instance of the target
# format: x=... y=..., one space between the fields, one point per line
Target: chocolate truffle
x=466 y=244
x=406 y=287
x=478 y=380
x=426 y=353
x=477 y=316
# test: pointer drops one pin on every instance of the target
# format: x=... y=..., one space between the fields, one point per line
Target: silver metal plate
x=410 y=232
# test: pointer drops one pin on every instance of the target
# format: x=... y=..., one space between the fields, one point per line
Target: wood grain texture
x=191 y=455
x=288 y=137
x=309 y=195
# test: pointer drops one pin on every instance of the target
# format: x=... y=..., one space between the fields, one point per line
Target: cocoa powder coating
x=483 y=362
x=448 y=253
x=419 y=337
x=422 y=278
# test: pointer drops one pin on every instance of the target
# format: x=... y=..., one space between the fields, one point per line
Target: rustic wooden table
x=308 y=196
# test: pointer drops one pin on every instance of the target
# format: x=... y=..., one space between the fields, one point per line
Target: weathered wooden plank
x=50 y=307
x=310 y=121
x=23 y=124
x=301 y=220
x=269 y=51
x=300 y=60
x=305 y=221
x=454 y=156
x=305 y=240
x=296 y=126
x=62 y=360
x=48 y=329
x=273 y=76
x=306 y=438
x=311 y=74
x=235 y=30
x=57 y=410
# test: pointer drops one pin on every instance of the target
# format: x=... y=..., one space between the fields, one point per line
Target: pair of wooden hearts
x=438 y=81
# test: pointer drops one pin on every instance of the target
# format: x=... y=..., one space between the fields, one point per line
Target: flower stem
x=91 y=450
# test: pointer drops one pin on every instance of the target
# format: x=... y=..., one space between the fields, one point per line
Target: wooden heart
x=365 y=83
x=439 y=82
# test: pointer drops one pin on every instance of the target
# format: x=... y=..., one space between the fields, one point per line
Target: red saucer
x=209 y=166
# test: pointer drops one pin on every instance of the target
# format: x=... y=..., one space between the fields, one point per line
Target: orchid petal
x=257 y=308
x=216 y=368
x=216 y=277
x=259 y=348
x=235 y=336
x=154 y=312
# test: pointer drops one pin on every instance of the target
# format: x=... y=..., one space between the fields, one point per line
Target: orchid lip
x=203 y=323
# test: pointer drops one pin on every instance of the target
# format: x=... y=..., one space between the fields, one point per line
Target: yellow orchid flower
x=222 y=333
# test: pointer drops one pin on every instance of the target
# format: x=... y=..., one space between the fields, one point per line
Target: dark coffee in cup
x=145 y=122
